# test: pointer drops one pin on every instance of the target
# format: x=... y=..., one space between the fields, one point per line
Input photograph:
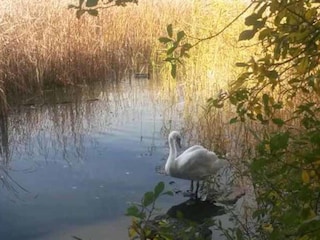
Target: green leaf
x=81 y=3
x=258 y=164
x=261 y=119
x=265 y=99
x=93 y=12
x=247 y=35
x=311 y=225
x=180 y=35
x=171 y=50
x=241 y=80
x=233 y=120
x=133 y=211
x=239 y=234
x=252 y=19
x=92 y=3
x=187 y=46
x=164 y=40
x=158 y=189
x=278 y=121
x=303 y=65
x=170 y=59
x=272 y=74
x=279 y=142
x=215 y=103
x=148 y=199
x=170 y=30
x=173 y=70
x=79 y=13
x=264 y=33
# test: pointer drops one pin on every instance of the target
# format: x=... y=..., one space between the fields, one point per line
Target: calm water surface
x=73 y=165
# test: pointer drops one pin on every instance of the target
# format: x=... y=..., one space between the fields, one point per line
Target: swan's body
x=195 y=163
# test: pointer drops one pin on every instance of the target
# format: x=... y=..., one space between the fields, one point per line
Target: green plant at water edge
x=141 y=213
x=279 y=89
x=148 y=223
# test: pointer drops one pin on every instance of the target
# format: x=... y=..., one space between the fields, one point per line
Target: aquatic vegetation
x=148 y=224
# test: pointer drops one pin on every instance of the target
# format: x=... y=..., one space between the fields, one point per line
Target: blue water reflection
x=81 y=163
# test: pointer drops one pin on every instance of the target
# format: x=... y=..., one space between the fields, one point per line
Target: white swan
x=195 y=163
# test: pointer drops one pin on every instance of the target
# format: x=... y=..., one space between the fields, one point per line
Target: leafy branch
x=92 y=6
x=142 y=212
x=178 y=47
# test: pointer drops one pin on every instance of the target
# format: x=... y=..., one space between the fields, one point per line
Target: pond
x=75 y=159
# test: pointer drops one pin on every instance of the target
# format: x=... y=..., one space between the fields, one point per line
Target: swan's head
x=175 y=136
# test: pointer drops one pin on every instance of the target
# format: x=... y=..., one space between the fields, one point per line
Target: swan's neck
x=172 y=155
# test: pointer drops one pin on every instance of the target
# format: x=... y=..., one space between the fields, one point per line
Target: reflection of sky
x=84 y=165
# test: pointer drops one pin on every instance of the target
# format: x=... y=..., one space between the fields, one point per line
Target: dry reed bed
x=44 y=44
x=211 y=68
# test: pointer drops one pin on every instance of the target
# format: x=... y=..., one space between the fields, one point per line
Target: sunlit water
x=75 y=163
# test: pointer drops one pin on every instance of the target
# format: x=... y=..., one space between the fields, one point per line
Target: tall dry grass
x=43 y=44
x=210 y=69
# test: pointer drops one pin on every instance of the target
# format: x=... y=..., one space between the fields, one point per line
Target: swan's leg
x=197 y=188
x=191 y=186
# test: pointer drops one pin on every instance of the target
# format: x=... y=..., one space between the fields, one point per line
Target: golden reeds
x=43 y=44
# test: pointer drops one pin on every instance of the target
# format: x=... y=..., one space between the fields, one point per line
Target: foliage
x=279 y=88
x=284 y=78
x=146 y=225
x=178 y=46
x=91 y=6
x=143 y=225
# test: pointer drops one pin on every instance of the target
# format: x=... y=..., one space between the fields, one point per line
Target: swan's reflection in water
x=190 y=219
x=196 y=210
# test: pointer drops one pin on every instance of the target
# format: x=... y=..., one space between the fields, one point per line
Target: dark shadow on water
x=196 y=210
x=191 y=219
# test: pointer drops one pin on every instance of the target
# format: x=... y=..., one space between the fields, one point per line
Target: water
x=74 y=163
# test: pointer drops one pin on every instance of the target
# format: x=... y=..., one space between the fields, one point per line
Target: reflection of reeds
x=58 y=123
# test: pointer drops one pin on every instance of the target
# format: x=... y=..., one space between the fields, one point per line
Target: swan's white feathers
x=195 y=163
x=195 y=147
